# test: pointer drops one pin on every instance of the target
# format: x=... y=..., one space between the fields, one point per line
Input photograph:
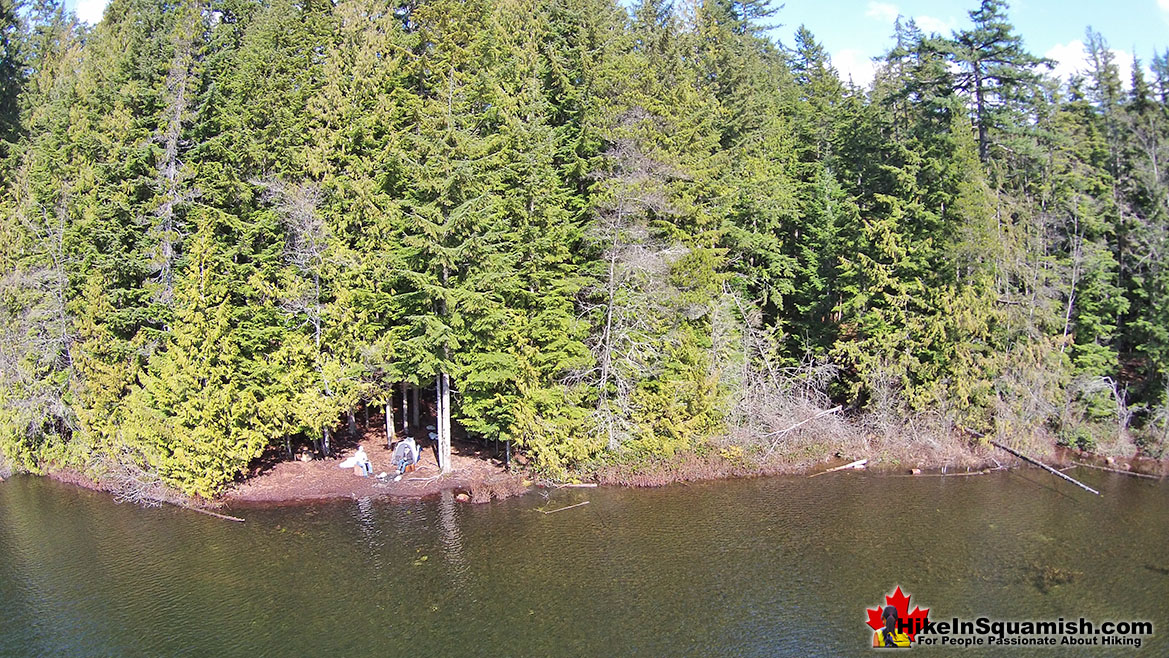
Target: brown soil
x=956 y=461
x=699 y=468
x=283 y=481
x=1136 y=464
x=481 y=476
x=70 y=476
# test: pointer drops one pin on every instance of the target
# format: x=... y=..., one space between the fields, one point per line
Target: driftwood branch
x=860 y=463
x=1117 y=470
x=805 y=421
x=953 y=475
x=779 y=434
x=210 y=513
x=1045 y=467
x=561 y=509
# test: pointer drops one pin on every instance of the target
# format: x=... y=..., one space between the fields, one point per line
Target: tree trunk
x=438 y=421
x=979 y=114
x=1076 y=258
x=606 y=342
x=166 y=230
x=443 y=421
x=325 y=443
x=352 y=425
x=405 y=410
x=445 y=446
x=414 y=408
x=390 y=423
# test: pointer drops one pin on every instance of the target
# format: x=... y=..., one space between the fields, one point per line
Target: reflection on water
x=759 y=567
x=452 y=541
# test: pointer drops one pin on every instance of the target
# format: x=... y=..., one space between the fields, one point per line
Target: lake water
x=776 y=566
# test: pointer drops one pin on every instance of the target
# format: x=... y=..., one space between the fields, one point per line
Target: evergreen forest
x=610 y=232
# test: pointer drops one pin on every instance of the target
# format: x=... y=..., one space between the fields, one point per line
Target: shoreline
x=478 y=479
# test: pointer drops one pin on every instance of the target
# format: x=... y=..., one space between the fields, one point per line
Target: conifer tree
x=598 y=230
x=11 y=74
x=37 y=322
x=997 y=71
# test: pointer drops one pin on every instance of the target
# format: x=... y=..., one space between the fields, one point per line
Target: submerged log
x=919 y=474
x=1045 y=467
x=1118 y=470
x=210 y=513
x=561 y=509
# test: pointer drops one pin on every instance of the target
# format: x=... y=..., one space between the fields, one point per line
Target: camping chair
x=406 y=459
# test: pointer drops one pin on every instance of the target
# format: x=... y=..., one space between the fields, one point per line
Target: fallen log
x=860 y=463
x=1045 y=467
x=952 y=475
x=215 y=514
x=561 y=509
x=1118 y=470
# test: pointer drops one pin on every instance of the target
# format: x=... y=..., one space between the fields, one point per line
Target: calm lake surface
x=777 y=566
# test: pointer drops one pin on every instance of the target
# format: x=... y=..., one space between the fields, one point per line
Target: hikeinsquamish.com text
x=983 y=631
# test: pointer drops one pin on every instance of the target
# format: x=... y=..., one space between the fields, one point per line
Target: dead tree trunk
x=414 y=407
x=446 y=422
x=390 y=422
x=326 y=449
x=1045 y=467
x=1077 y=255
x=166 y=230
x=443 y=421
x=405 y=410
x=607 y=358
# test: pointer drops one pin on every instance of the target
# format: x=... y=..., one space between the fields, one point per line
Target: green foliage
x=681 y=408
x=227 y=224
x=1077 y=436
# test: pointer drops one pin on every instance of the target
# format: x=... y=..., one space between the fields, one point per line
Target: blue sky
x=854 y=31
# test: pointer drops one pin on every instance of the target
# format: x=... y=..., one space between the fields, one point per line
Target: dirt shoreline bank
x=478 y=478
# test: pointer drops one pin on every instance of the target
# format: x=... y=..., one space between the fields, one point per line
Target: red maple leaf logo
x=908 y=621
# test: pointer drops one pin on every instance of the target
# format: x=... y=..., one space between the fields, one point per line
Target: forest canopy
x=619 y=231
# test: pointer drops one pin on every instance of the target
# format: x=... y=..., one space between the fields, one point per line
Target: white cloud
x=1163 y=4
x=854 y=64
x=1071 y=58
x=884 y=11
x=929 y=24
x=887 y=12
x=90 y=11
